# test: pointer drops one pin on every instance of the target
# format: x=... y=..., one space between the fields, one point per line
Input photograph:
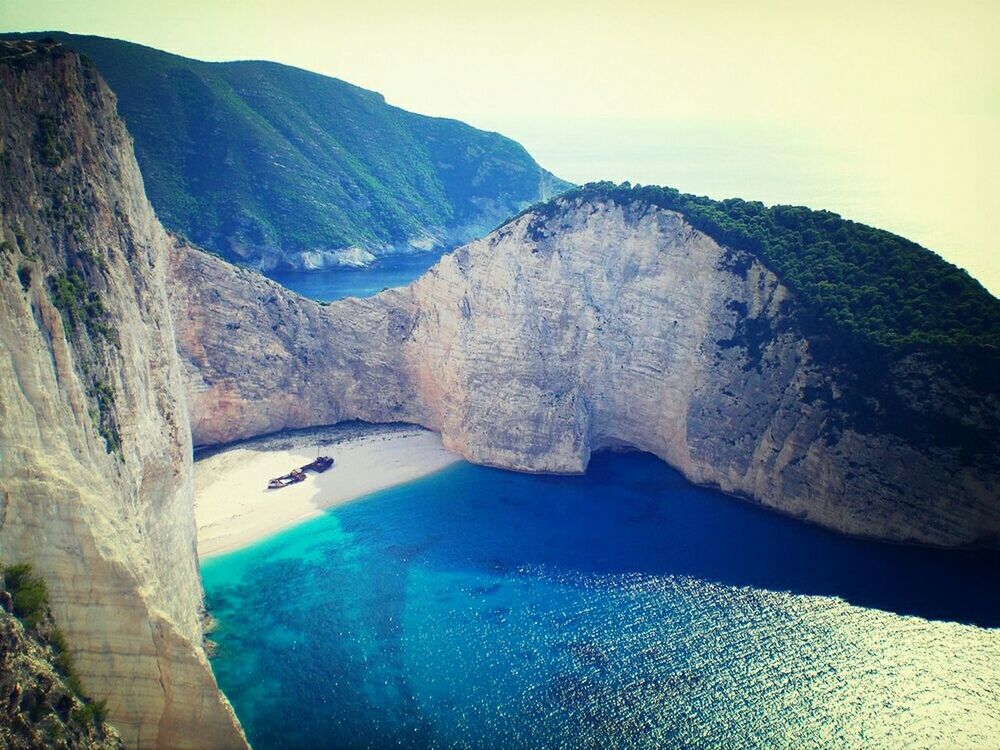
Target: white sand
x=234 y=508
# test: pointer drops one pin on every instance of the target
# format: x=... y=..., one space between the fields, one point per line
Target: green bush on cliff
x=104 y=395
x=90 y=713
x=28 y=592
x=70 y=294
x=856 y=283
x=80 y=305
x=51 y=149
x=63 y=662
x=30 y=596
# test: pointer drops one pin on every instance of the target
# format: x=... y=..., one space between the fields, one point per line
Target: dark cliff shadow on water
x=633 y=514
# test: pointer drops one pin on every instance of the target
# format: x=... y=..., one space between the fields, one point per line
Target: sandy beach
x=234 y=508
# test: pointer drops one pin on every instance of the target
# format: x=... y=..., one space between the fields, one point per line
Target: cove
x=478 y=608
x=387 y=272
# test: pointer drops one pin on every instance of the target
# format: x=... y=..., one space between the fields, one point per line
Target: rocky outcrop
x=260 y=359
x=587 y=325
x=41 y=707
x=95 y=476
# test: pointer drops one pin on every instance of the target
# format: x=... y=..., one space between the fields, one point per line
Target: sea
x=625 y=608
x=393 y=270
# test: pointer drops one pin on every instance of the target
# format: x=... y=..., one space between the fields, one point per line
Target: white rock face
x=586 y=326
x=350 y=257
x=594 y=326
x=111 y=531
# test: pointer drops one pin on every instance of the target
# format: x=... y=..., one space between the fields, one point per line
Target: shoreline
x=234 y=509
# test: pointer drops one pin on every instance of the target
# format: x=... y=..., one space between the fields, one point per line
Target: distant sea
x=387 y=272
x=884 y=174
x=883 y=179
x=478 y=608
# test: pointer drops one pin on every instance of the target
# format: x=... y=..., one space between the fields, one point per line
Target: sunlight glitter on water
x=480 y=609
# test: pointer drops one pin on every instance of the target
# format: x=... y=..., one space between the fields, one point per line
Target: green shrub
x=858 y=284
x=68 y=293
x=63 y=662
x=92 y=256
x=104 y=395
x=54 y=733
x=81 y=306
x=51 y=149
x=31 y=602
x=29 y=593
x=24 y=276
x=91 y=713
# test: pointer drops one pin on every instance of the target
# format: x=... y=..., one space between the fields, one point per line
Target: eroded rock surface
x=596 y=325
x=41 y=707
x=95 y=471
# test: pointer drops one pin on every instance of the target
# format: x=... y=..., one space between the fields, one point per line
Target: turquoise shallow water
x=477 y=608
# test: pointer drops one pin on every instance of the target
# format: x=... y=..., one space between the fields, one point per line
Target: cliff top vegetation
x=857 y=283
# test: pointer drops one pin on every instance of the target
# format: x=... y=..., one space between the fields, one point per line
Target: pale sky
x=887 y=112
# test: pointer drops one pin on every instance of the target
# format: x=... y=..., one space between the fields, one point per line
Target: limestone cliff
x=589 y=323
x=41 y=706
x=594 y=324
x=95 y=471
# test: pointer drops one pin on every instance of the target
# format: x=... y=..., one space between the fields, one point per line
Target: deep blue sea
x=478 y=608
x=394 y=270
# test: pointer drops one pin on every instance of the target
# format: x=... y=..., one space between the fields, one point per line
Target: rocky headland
x=601 y=322
x=610 y=317
x=278 y=167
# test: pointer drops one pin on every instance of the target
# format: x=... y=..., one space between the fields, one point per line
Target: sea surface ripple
x=478 y=608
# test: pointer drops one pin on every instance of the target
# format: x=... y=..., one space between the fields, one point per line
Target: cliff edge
x=599 y=321
x=44 y=707
x=95 y=477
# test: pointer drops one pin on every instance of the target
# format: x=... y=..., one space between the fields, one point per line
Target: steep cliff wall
x=95 y=476
x=41 y=704
x=595 y=324
x=260 y=359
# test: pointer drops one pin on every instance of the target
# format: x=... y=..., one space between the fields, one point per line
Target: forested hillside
x=860 y=284
x=276 y=166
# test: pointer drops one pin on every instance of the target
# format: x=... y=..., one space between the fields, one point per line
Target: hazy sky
x=886 y=112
